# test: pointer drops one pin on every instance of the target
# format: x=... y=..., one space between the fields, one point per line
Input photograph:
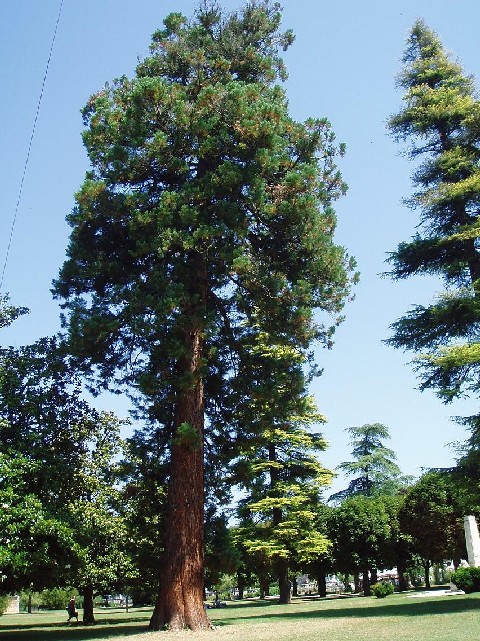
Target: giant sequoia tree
x=441 y=120
x=206 y=206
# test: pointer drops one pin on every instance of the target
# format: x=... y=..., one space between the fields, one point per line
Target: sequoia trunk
x=180 y=599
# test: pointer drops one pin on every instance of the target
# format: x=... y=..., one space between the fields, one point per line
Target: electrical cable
x=12 y=228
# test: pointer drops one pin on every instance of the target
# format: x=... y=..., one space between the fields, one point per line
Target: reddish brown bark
x=180 y=599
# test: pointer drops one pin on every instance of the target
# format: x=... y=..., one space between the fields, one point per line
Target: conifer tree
x=278 y=465
x=206 y=205
x=440 y=119
x=8 y=313
x=374 y=466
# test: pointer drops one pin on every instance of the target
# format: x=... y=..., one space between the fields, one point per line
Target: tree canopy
x=59 y=524
x=432 y=515
x=374 y=466
x=278 y=466
x=439 y=120
x=361 y=530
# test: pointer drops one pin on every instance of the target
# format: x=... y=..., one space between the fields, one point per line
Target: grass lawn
x=397 y=618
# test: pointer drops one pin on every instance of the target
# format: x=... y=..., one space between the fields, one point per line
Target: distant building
x=13 y=605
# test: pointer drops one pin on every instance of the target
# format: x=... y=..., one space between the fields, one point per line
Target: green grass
x=397 y=618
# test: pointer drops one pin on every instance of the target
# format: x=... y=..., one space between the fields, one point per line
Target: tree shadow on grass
x=407 y=608
x=103 y=629
x=238 y=605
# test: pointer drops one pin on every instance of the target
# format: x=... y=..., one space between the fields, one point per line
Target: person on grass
x=72 y=610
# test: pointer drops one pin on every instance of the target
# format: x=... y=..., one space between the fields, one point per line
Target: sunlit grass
x=396 y=618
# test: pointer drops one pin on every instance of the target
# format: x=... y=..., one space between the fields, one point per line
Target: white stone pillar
x=472 y=539
x=13 y=605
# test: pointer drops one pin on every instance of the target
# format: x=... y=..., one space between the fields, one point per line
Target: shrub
x=142 y=595
x=467 y=579
x=3 y=603
x=57 y=598
x=382 y=589
x=35 y=599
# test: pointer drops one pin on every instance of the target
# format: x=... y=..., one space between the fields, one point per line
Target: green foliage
x=35 y=543
x=467 y=473
x=206 y=219
x=467 y=579
x=362 y=531
x=225 y=584
x=8 y=313
x=187 y=436
x=28 y=597
x=222 y=556
x=55 y=598
x=58 y=524
x=374 y=466
x=235 y=186
x=45 y=418
x=141 y=502
x=382 y=589
x=439 y=119
x=101 y=533
x=432 y=515
x=4 y=598
x=283 y=478
x=278 y=464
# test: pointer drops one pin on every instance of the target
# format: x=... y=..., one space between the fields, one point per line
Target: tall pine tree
x=441 y=121
x=206 y=206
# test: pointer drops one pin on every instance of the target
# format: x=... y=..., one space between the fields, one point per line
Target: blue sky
x=342 y=66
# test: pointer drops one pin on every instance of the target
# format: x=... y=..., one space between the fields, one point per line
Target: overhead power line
x=19 y=198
